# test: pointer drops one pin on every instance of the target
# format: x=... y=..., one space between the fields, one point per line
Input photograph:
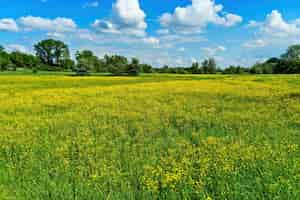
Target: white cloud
x=17 y=47
x=274 y=31
x=127 y=18
x=85 y=35
x=196 y=16
x=176 y=38
x=105 y=26
x=59 y=24
x=297 y=22
x=8 y=24
x=275 y=26
x=56 y=35
x=151 y=40
x=231 y=20
x=93 y=4
x=255 y=44
x=212 y=51
x=162 y=31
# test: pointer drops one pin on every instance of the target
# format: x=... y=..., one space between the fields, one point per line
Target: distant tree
x=230 y=70
x=257 y=68
x=68 y=64
x=100 y=66
x=114 y=70
x=165 y=69
x=87 y=60
x=292 y=53
x=145 y=68
x=212 y=66
x=22 y=60
x=4 y=59
x=181 y=70
x=287 y=67
x=195 y=68
x=235 y=70
x=116 y=64
x=273 y=60
x=52 y=52
x=209 y=66
x=133 y=68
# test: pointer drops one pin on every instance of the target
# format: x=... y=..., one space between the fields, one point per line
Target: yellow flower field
x=150 y=137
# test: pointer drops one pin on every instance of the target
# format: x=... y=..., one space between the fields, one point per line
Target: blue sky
x=173 y=32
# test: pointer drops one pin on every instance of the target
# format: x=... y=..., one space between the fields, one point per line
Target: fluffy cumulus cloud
x=275 y=25
x=56 y=35
x=17 y=47
x=196 y=16
x=274 y=30
x=127 y=18
x=8 y=24
x=213 y=51
x=255 y=44
x=59 y=24
x=231 y=20
x=151 y=40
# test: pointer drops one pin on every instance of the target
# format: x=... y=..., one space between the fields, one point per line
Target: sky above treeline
x=172 y=32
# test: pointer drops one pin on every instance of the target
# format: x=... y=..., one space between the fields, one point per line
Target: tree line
x=54 y=55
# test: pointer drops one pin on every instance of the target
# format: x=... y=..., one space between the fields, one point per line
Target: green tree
x=195 y=68
x=116 y=64
x=165 y=69
x=52 y=52
x=133 y=68
x=145 y=68
x=212 y=66
x=4 y=59
x=68 y=64
x=88 y=61
x=22 y=60
x=292 y=53
x=204 y=67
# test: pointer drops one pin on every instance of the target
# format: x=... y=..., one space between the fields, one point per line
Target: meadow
x=149 y=137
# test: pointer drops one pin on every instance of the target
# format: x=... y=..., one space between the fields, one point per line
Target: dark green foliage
x=195 y=68
x=52 y=53
x=88 y=61
x=133 y=69
x=235 y=70
x=116 y=64
x=68 y=64
x=262 y=68
x=172 y=70
x=289 y=63
x=292 y=53
x=212 y=66
x=22 y=60
x=4 y=59
x=145 y=68
x=287 y=67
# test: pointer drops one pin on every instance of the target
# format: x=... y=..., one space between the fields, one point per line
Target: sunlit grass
x=149 y=137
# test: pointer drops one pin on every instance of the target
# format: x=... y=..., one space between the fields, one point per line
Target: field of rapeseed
x=149 y=137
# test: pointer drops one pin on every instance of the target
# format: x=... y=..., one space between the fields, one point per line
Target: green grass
x=149 y=137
